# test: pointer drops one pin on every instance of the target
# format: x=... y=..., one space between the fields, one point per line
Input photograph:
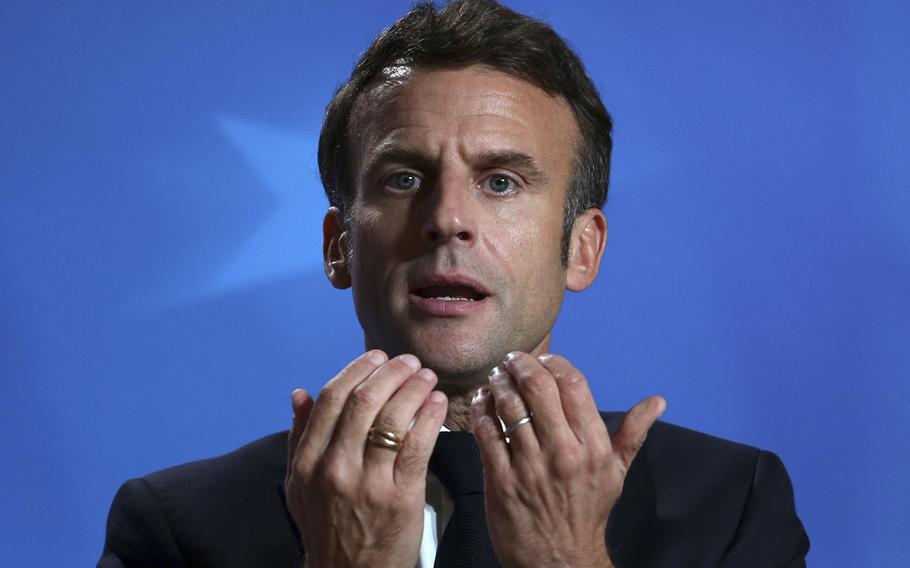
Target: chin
x=459 y=365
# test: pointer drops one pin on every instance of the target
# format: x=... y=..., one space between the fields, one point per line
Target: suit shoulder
x=670 y=442
x=227 y=510
x=693 y=469
x=263 y=460
x=721 y=502
x=680 y=440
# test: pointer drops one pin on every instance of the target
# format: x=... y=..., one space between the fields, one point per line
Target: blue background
x=160 y=282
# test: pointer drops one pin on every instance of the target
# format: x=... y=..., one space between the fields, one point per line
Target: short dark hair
x=477 y=32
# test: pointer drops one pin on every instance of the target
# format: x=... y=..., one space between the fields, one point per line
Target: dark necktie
x=465 y=542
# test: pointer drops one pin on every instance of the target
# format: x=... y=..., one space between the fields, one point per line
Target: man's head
x=474 y=32
x=467 y=157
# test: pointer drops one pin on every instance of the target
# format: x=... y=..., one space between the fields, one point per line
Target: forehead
x=467 y=110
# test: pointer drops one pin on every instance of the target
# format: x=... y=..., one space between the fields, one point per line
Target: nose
x=449 y=216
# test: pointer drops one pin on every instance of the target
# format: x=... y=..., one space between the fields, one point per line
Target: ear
x=334 y=249
x=586 y=247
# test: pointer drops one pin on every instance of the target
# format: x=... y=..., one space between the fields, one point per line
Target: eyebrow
x=521 y=162
x=514 y=160
x=396 y=154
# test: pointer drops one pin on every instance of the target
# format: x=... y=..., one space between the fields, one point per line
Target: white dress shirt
x=436 y=514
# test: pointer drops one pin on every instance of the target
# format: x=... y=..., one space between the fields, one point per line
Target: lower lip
x=447 y=308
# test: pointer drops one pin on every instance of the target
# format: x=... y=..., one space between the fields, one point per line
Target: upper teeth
x=448 y=298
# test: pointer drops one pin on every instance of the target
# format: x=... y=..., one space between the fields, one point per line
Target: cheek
x=366 y=269
x=388 y=228
x=372 y=231
x=528 y=256
x=376 y=263
x=527 y=239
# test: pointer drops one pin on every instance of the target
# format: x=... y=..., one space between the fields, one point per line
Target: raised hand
x=356 y=503
x=550 y=489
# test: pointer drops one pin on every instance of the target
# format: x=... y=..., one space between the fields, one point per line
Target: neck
x=458 y=417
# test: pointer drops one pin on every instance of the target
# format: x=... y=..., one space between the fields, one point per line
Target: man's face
x=455 y=233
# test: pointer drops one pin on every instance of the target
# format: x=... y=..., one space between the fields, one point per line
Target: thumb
x=634 y=428
x=301 y=405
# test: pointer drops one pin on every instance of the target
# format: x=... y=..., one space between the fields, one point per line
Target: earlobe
x=334 y=249
x=589 y=238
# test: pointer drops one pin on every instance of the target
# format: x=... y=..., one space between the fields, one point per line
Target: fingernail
x=376 y=357
x=410 y=360
x=437 y=396
x=512 y=356
x=481 y=394
x=497 y=373
x=426 y=375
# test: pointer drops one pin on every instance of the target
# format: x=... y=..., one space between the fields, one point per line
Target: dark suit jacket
x=689 y=500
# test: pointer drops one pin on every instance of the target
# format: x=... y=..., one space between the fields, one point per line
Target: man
x=466 y=162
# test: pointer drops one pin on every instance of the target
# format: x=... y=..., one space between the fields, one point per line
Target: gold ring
x=385 y=439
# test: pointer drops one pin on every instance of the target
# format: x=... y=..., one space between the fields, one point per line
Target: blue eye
x=499 y=183
x=403 y=181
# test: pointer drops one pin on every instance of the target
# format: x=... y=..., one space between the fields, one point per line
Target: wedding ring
x=515 y=426
x=385 y=439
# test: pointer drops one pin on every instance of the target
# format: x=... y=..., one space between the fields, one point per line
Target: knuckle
x=377 y=499
x=510 y=403
x=419 y=442
x=573 y=377
x=558 y=360
x=388 y=423
x=400 y=368
x=433 y=411
x=412 y=390
x=363 y=396
x=331 y=396
x=567 y=464
x=360 y=365
x=537 y=383
x=487 y=427
x=569 y=376
x=333 y=479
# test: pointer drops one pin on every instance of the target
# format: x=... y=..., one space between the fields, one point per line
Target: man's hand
x=355 y=503
x=550 y=490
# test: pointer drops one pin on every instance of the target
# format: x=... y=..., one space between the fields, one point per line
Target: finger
x=397 y=416
x=634 y=428
x=494 y=452
x=330 y=402
x=301 y=406
x=541 y=395
x=511 y=408
x=366 y=400
x=577 y=401
x=410 y=467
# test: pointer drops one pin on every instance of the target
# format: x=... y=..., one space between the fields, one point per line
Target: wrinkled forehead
x=526 y=114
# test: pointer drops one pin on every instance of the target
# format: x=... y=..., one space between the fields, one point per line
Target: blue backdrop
x=160 y=282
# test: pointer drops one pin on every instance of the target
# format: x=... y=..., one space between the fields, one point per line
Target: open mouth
x=450 y=293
